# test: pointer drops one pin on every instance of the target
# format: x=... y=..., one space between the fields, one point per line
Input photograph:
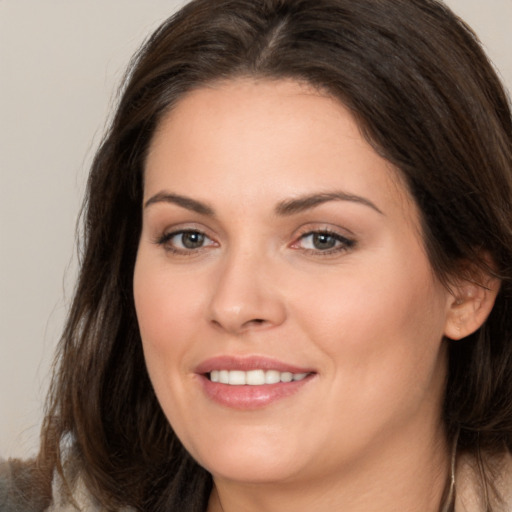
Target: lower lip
x=250 y=397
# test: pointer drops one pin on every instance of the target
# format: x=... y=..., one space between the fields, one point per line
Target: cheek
x=161 y=299
x=379 y=305
x=382 y=328
x=167 y=309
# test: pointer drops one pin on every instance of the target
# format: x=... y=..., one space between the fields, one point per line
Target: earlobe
x=469 y=305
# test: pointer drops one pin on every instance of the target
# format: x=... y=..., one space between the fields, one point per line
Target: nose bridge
x=243 y=296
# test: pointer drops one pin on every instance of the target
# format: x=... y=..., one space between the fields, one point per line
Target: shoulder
x=470 y=491
x=70 y=493
x=19 y=494
x=5 y=480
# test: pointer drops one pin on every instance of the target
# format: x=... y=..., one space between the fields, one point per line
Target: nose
x=246 y=294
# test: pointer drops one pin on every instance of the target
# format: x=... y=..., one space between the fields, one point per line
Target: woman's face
x=278 y=249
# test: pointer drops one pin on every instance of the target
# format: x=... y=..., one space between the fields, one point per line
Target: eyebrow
x=300 y=204
x=284 y=208
x=183 y=201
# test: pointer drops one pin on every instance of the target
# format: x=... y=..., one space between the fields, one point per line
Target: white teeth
x=237 y=378
x=272 y=377
x=286 y=377
x=254 y=377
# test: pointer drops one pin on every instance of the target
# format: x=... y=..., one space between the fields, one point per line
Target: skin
x=368 y=316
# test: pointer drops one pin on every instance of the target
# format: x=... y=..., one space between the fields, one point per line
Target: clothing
x=12 y=499
x=17 y=498
x=469 y=493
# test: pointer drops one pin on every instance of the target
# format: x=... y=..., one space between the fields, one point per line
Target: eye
x=325 y=242
x=185 y=241
x=188 y=240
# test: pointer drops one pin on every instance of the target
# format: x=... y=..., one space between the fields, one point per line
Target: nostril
x=254 y=322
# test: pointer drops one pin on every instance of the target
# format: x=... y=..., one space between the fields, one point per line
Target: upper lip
x=247 y=363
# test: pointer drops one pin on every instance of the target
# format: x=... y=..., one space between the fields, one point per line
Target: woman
x=296 y=275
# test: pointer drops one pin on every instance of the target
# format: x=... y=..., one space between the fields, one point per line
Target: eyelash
x=165 y=241
x=342 y=243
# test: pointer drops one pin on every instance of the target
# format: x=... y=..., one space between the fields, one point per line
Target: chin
x=261 y=470
x=251 y=462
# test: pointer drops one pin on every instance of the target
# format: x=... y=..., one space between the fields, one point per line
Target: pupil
x=192 y=240
x=323 y=241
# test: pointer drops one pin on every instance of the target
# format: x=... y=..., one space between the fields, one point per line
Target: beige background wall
x=60 y=62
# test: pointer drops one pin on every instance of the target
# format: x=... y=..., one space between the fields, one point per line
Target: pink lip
x=247 y=363
x=249 y=397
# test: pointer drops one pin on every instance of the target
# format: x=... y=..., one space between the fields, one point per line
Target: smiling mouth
x=258 y=377
x=251 y=383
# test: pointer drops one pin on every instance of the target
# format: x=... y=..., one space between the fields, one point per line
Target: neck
x=401 y=475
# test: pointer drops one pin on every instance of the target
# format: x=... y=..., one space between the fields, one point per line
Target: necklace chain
x=449 y=503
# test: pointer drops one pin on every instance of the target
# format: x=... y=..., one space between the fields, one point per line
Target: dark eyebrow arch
x=184 y=202
x=293 y=206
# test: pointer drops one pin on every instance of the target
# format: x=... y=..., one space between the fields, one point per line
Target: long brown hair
x=426 y=98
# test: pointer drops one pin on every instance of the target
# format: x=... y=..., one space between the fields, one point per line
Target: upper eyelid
x=164 y=241
x=305 y=229
x=329 y=230
x=170 y=233
x=324 y=227
x=180 y=227
x=341 y=238
x=343 y=235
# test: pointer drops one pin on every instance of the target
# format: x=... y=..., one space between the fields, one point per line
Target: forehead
x=247 y=139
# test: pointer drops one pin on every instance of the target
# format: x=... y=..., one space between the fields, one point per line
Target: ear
x=469 y=304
